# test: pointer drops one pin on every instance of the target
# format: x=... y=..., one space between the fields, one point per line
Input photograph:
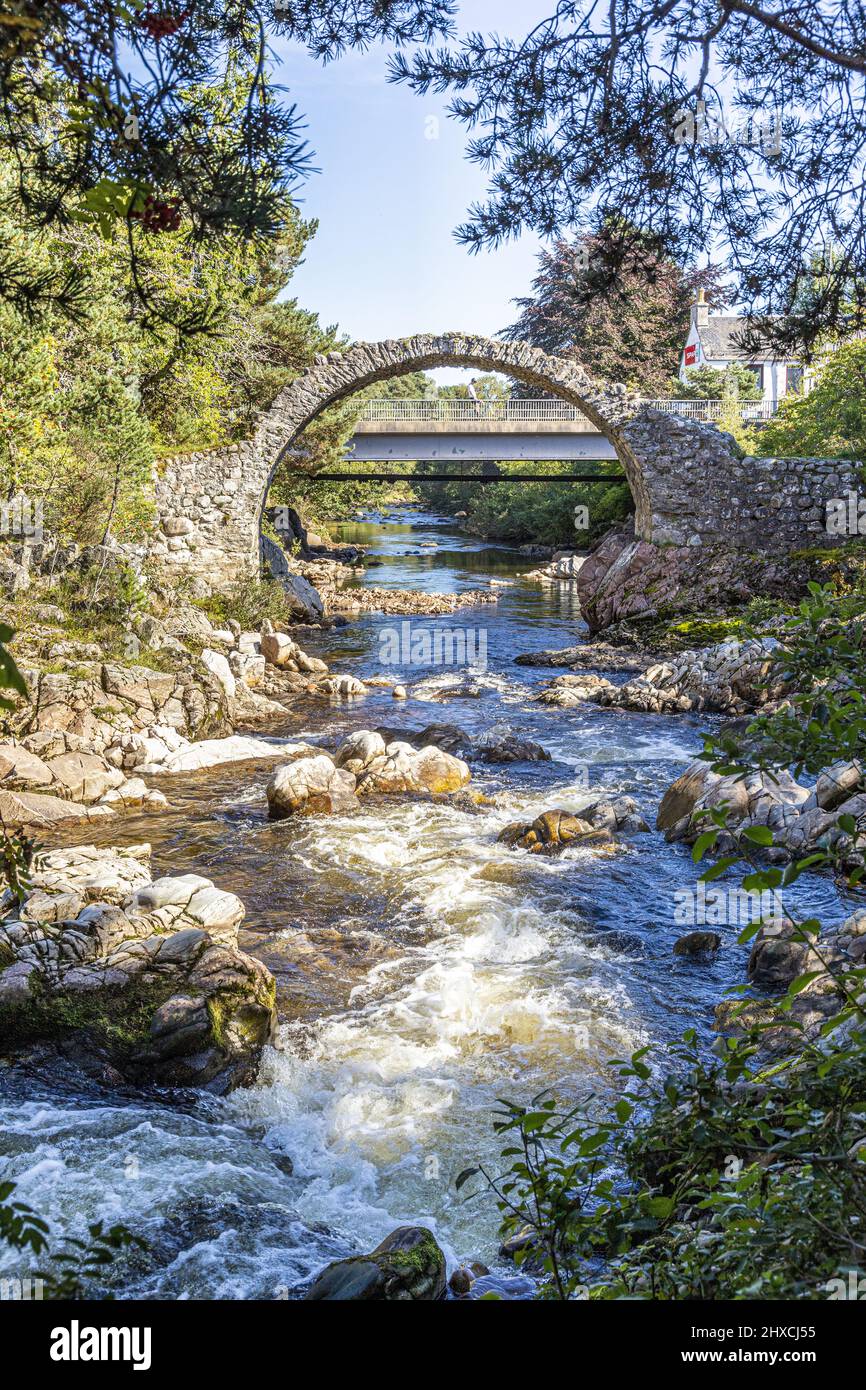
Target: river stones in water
x=309 y=786
x=408 y=1266
x=553 y=830
x=549 y=832
x=445 y=736
x=598 y=655
x=777 y=958
x=508 y=748
x=567 y=691
x=345 y=687
x=698 y=944
x=398 y=767
x=763 y=798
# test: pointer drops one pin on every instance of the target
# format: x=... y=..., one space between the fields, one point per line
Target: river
x=423 y=969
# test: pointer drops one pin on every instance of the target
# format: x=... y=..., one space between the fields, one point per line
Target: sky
x=393 y=184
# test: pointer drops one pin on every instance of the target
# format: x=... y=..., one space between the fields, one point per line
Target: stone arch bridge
x=689 y=482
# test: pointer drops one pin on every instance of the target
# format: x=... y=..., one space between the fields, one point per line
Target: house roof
x=717 y=339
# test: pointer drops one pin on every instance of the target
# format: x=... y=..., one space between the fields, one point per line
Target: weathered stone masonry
x=689 y=484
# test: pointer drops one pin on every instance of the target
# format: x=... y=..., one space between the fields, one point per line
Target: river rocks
x=212 y=752
x=341 y=687
x=68 y=782
x=248 y=668
x=568 y=691
x=758 y=799
x=408 y=1266
x=552 y=831
x=563 y=569
x=599 y=655
x=773 y=799
x=20 y=768
x=278 y=649
x=310 y=786
x=733 y=676
x=112 y=699
x=34 y=810
x=398 y=767
x=304 y=600
x=836 y=784
x=628 y=578
x=218 y=665
x=137 y=980
x=698 y=945
x=508 y=748
x=407 y=601
x=776 y=958
x=549 y=833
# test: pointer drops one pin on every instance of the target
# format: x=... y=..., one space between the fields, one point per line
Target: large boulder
x=219 y=666
x=398 y=767
x=35 y=810
x=137 y=981
x=509 y=748
x=212 y=752
x=406 y=1267
x=310 y=786
x=778 y=956
x=19 y=768
x=303 y=600
x=626 y=578
x=751 y=800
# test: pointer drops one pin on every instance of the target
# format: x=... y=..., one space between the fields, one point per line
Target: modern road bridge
x=457 y=431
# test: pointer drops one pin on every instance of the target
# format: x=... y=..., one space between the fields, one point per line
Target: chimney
x=700 y=310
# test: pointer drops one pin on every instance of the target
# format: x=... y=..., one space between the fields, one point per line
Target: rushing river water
x=423 y=969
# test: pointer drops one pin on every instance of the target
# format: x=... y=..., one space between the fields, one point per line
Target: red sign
x=691 y=354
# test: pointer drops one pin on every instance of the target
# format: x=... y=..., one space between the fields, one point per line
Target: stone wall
x=689 y=483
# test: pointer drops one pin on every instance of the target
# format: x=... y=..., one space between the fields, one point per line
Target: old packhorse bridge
x=689 y=483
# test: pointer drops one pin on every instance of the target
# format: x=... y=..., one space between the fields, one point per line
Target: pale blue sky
x=385 y=262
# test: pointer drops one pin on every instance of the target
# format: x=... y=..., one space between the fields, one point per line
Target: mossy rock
x=407 y=1266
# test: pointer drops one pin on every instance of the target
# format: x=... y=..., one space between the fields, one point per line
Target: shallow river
x=423 y=969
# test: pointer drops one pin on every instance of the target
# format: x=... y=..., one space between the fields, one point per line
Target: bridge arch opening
x=342 y=374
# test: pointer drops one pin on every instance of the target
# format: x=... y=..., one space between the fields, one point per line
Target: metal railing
x=455 y=410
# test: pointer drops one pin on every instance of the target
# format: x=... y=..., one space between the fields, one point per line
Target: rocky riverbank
x=134 y=980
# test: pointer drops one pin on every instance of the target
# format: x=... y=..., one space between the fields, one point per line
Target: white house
x=711 y=343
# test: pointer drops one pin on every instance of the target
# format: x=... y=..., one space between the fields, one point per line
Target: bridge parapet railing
x=455 y=410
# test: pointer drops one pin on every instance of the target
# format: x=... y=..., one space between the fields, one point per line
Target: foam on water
x=380 y=1106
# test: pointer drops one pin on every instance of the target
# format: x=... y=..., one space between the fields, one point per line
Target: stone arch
x=690 y=483
x=340 y=374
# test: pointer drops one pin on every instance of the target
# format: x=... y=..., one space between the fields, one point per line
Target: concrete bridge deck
x=467 y=431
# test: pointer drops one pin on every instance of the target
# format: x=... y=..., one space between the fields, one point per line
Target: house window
x=793 y=380
x=757 y=370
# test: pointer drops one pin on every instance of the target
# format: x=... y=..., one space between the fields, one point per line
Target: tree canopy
x=734 y=124
x=623 y=318
x=163 y=115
